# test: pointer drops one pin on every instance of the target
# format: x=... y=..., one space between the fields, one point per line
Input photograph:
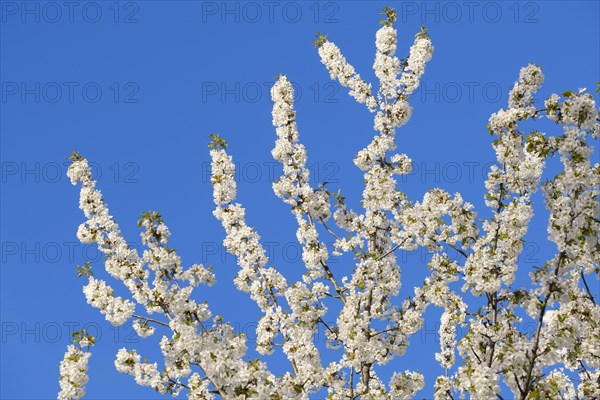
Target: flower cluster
x=100 y=295
x=73 y=373
x=128 y=362
x=420 y=53
x=267 y=287
x=213 y=348
x=340 y=69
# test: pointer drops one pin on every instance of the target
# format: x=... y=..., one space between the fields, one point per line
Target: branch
x=151 y=320
x=389 y=252
x=587 y=287
x=526 y=389
x=457 y=249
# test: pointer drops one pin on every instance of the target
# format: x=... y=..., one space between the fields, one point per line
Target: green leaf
x=217 y=142
x=86 y=270
x=75 y=156
x=320 y=39
x=390 y=16
x=567 y=93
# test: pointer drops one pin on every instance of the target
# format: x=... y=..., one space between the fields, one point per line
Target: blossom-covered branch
x=203 y=356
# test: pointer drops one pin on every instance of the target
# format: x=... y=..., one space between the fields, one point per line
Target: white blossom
x=101 y=296
x=420 y=53
x=73 y=373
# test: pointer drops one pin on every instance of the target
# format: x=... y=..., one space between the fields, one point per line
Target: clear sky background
x=136 y=87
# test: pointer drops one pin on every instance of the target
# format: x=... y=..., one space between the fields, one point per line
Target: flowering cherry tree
x=204 y=358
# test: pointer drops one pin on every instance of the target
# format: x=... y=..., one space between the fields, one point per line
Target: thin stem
x=457 y=249
x=389 y=252
x=151 y=320
x=587 y=288
x=525 y=391
x=178 y=383
x=526 y=387
x=331 y=278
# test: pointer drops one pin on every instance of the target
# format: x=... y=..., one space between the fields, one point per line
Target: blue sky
x=136 y=87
